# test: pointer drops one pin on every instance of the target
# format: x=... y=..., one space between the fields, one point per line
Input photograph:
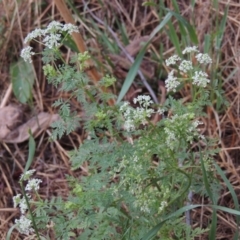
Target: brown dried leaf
x=10 y=117
x=120 y=62
x=134 y=47
x=37 y=124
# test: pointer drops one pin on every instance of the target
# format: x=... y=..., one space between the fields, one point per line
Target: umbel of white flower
x=24 y=224
x=52 y=37
x=139 y=115
x=199 y=78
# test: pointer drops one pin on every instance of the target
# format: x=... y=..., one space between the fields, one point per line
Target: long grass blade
x=31 y=151
x=187 y=25
x=174 y=38
x=212 y=232
x=134 y=69
x=234 y=196
x=155 y=230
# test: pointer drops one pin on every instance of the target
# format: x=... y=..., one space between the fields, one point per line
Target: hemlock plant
x=138 y=172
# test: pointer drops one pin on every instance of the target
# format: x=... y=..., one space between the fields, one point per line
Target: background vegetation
x=113 y=32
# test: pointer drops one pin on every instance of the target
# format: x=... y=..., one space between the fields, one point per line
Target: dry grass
x=17 y=18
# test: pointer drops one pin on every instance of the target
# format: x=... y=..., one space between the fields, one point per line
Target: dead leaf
x=134 y=47
x=37 y=124
x=122 y=64
x=10 y=117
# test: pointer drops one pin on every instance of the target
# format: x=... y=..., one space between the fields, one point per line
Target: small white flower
x=16 y=200
x=190 y=49
x=33 y=184
x=27 y=175
x=23 y=205
x=171 y=82
x=143 y=100
x=129 y=125
x=24 y=225
x=172 y=60
x=163 y=205
x=135 y=158
x=203 y=58
x=196 y=123
x=52 y=40
x=70 y=28
x=185 y=66
x=171 y=138
x=54 y=26
x=161 y=111
x=124 y=106
x=34 y=34
x=145 y=208
x=26 y=54
x=200 y=79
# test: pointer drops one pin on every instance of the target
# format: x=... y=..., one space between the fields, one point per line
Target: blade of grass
x=221 y=28
x=8 y=237
x=153 y=232
x=174 y=38
x=31 y=151
x=183 y=23
x=234 y=196
x=68 y=41
x=122 y=28
x=212 y=232
x=207 y=43
x=135 y=67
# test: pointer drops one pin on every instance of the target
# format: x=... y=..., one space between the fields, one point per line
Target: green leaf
x=207 y=43
x=68 y=41
x=174 y=38
x=134 y=69
x=31 y=151
x=155 y=230
x=234 y=196
x=22 y=77
x=187 y=25
x=221 y=29
x=8 y=237
x=212 y=232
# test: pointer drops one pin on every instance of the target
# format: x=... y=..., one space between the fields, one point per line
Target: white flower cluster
x=139 y=115
x=185 y=66
x=25 y=176
x=52 y=37
x=163 y=205
x=33 y=184
x=172 y=60
x=190 y=49
x=203 y=58
x=172 y=82
x=27 y=53
x=199 y=78
x=24 y=225
x=161 y=111
x=147 y=199
x=143 y=100
x=177 y=125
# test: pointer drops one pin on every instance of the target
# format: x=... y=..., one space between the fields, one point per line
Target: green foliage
x=22 y=77
x=139 y=174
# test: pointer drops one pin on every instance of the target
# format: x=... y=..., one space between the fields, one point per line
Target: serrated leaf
x=22 y=78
